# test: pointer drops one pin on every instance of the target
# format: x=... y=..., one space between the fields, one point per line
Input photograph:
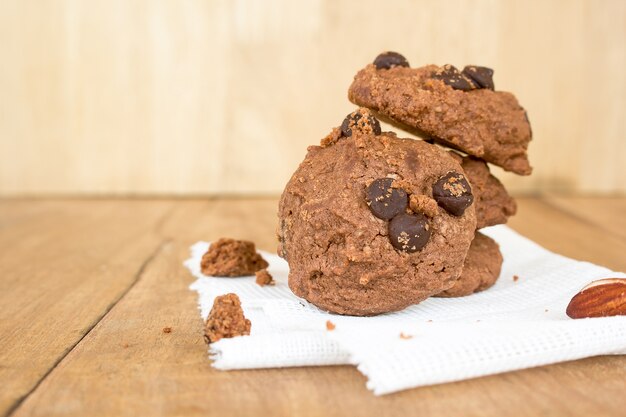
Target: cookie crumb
x=360 y=121
x=125 y=345
x=167 y=330
x=330 y=326
x=264 y=278
x=423 y=204
x=430 y=321
x=331 y=138
x=515 y=278
x=226 y=319
x=232 y=258
x=405 y=336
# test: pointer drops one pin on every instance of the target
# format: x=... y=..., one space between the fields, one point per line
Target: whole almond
x=601 y=298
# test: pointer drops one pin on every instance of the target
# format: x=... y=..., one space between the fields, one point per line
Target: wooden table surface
x=87 y=286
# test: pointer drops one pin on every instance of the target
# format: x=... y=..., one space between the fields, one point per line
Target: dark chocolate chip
x=451 y=76
x=384 y=201
x=356 y=119
x=390 y=59
x=453 y=193
x=482 y=76
x=409 y=232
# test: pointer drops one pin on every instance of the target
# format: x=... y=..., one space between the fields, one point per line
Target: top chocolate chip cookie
x=459 y=109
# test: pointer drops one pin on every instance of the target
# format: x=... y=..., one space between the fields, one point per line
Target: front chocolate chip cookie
x=351 y=254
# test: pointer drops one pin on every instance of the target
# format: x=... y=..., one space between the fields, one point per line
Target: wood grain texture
x=573 y=235
x=127 y=366
x=197 y=97
x=606 y=213
x=62 y=266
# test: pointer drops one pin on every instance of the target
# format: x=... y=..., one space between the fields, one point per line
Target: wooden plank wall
x=213 y=97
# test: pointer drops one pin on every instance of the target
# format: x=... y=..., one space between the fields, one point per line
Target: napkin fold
x=516 y=324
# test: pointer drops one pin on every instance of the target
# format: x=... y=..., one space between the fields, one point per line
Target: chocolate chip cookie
x=480 y=270
x=371 y=223
x=458 y=109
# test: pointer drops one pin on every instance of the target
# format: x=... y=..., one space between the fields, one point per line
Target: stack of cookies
x=371 y=223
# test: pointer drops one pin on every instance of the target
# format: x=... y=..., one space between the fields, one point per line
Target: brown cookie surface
x=457 y=109
x=345 y=255
x=480 y=270
x=231 y=258
x=493 y=203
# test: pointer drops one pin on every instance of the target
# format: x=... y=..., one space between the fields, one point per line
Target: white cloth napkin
x=513 y=325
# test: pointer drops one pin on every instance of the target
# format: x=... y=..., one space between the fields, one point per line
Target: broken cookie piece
x=232 y=258
x=226 y=319
x=264 y=278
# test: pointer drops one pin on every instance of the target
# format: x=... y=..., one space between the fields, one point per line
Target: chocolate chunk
x=451 y=76
x=409 y=232
x=453 y=193
x=390 y=59
x=355 y=119
x=384 y=201
x=482 y=76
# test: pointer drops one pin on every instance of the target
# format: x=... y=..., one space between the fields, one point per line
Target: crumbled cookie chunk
x=420 y=203
x=331 y=138
x=232 y=258
x=264 y=278
x=330 y=326
x=226 y=319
